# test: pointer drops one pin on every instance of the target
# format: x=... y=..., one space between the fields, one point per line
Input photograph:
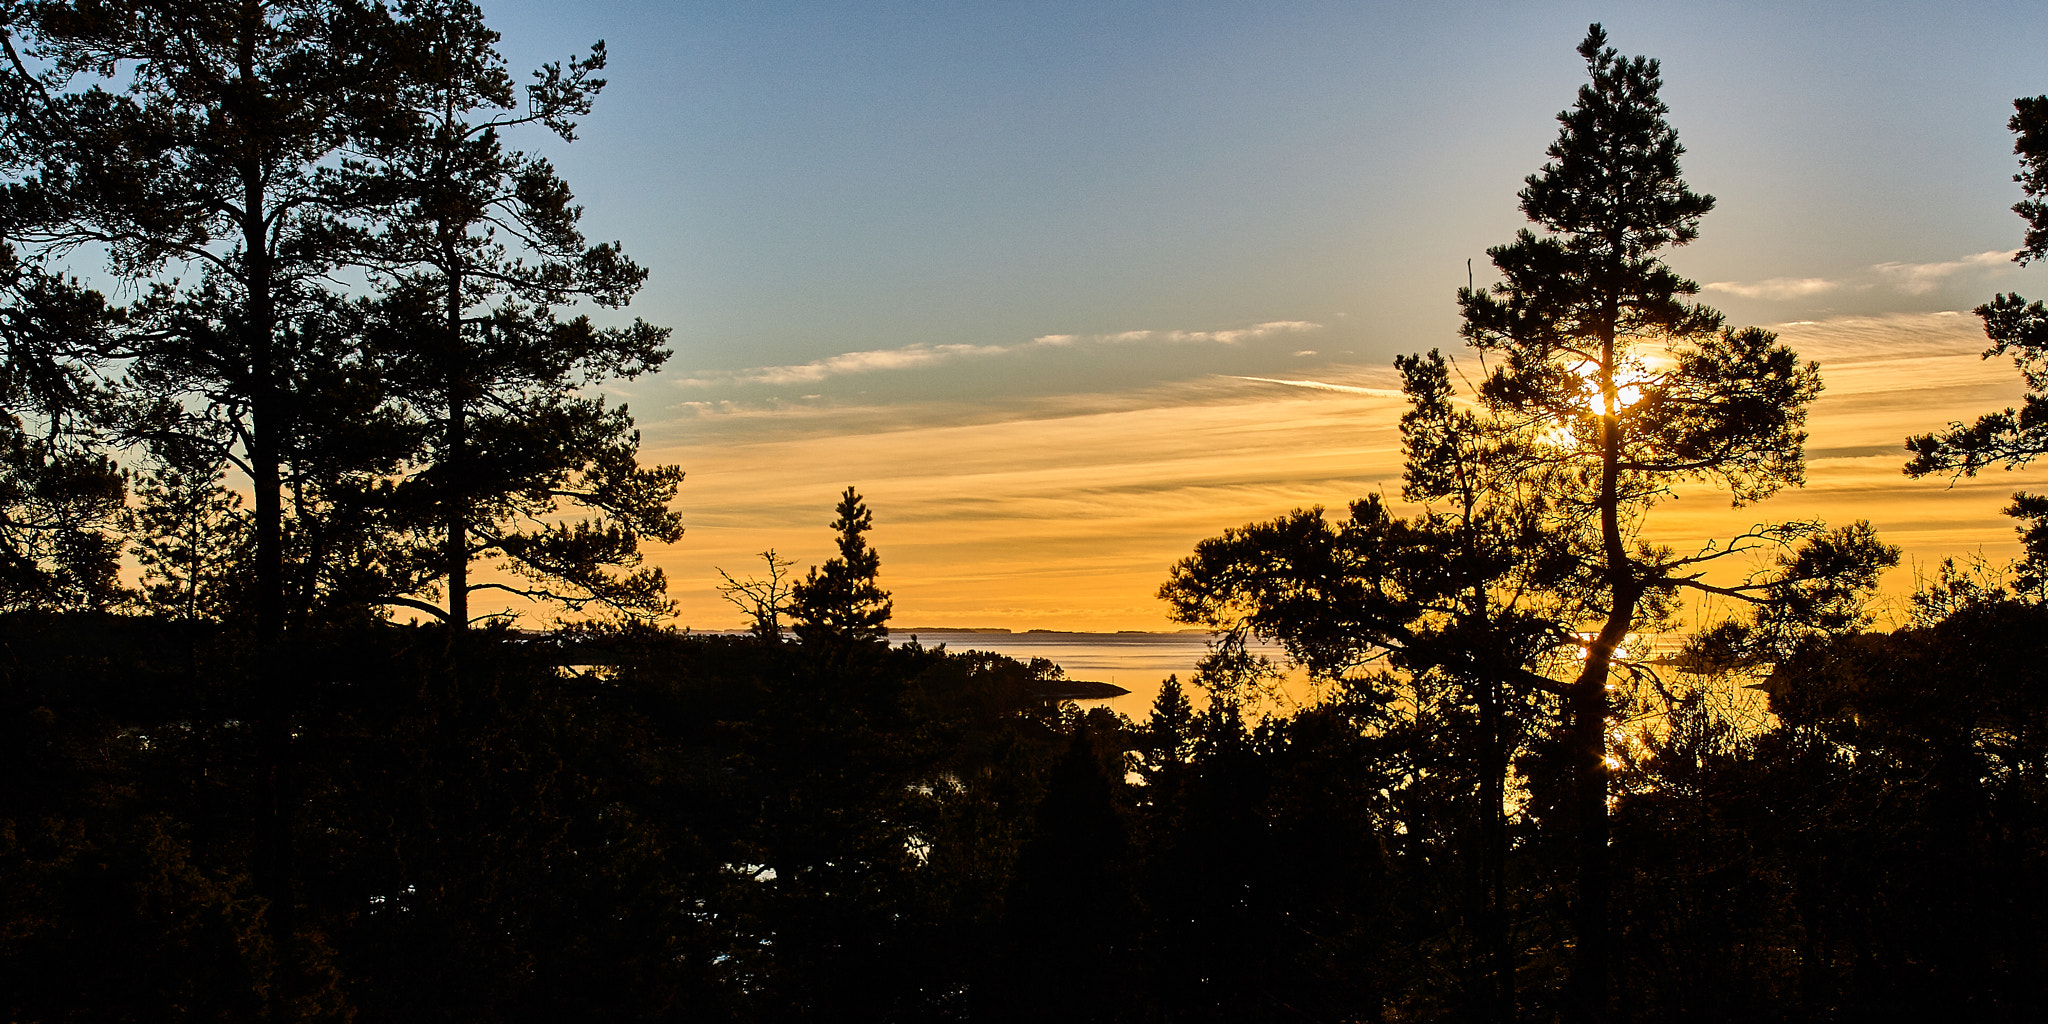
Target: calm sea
x=1138 y=662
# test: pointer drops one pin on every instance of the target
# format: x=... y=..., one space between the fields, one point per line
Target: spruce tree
x=191 y=539
x=840 y=606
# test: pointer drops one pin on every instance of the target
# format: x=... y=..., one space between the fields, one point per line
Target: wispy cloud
x=1921 y=278
x=906 y=358
x=1229 y=337
x=911 y=357
x=1906 y=278
x=1884 y=339
x=1775 y=288
x=1317 y=385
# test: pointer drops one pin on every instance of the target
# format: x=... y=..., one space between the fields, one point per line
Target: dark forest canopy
x=241 y=791
x=715 y=828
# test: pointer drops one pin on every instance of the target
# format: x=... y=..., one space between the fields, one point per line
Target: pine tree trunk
x=1497 y=999
x=1589 y=754
x=455 y=498
x=1498 y=969
x=457 y=522
x=1589 y=707
x=272 y=869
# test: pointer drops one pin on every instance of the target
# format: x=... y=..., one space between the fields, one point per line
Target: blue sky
x=809 y=179
x=879 y=228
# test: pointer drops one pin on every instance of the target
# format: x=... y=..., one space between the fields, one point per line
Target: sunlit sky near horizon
x=1036 y=277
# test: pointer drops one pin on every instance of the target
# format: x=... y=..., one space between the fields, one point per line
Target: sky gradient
x=1065 y=287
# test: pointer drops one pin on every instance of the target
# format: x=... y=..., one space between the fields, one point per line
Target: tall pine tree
x=478 y=245
x=1610 y=386
x=197 y=137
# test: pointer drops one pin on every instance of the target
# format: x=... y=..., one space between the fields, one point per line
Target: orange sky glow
x=1067 y=515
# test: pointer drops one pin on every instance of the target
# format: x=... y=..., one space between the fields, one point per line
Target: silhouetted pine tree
x=2016 y=327
x=476 y=248
x=1604 y=433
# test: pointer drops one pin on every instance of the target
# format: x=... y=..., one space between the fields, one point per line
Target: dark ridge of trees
x=627 y=823
x=700 y=827
x=243 y=792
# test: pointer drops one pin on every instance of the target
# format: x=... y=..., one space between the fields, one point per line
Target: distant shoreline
x=1000 y=631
